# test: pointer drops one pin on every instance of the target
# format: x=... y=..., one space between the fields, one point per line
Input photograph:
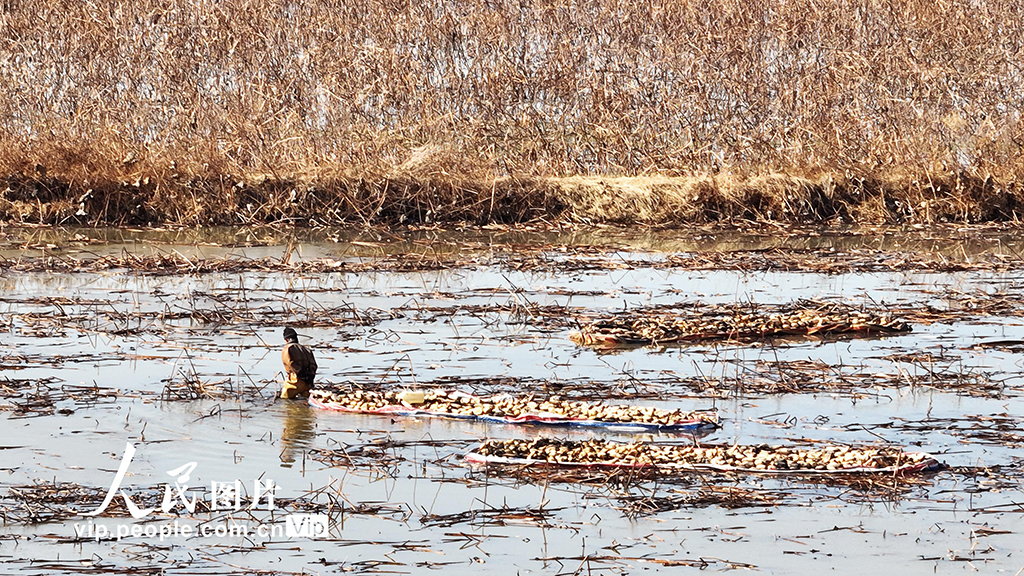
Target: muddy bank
x=43 y=196
x=342 y=257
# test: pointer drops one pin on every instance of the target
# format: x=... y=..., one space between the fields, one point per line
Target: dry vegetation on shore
x=198 y=112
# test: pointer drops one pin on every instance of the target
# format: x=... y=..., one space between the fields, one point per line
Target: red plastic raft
x=698 y=421
x=897 y=462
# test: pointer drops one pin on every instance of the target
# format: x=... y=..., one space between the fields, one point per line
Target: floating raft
x=760 y=459
x=661 y=328
x=506 y=409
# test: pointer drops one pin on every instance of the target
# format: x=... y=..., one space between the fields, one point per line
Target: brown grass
x=326 y=111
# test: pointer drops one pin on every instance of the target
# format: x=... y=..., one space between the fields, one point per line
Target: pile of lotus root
x=634 y=328
x=761 y=457
x=504 y=406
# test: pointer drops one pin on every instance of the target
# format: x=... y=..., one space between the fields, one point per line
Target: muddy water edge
x=168 y=342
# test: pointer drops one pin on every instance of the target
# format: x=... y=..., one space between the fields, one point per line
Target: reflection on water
x=298 y=429
x=412 y=328
x=953 y=243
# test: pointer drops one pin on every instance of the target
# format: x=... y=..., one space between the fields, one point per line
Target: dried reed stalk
x=325 y=111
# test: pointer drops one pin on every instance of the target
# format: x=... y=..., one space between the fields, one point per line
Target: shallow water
x=952 y=242
x=138 y=333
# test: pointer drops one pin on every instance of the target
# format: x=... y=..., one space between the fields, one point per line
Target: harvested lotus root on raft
x=659 y=327
x=757 y=458
x=506 y=408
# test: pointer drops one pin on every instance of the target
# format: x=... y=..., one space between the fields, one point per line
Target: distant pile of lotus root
x=761 y=457
x=634 y=328
x=506 y=406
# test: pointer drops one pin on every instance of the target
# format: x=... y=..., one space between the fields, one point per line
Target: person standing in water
x=299 y=366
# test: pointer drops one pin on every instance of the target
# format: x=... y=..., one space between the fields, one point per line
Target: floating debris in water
x=31 y=397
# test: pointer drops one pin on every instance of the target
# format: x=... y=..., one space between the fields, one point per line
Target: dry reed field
x=197 y=112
